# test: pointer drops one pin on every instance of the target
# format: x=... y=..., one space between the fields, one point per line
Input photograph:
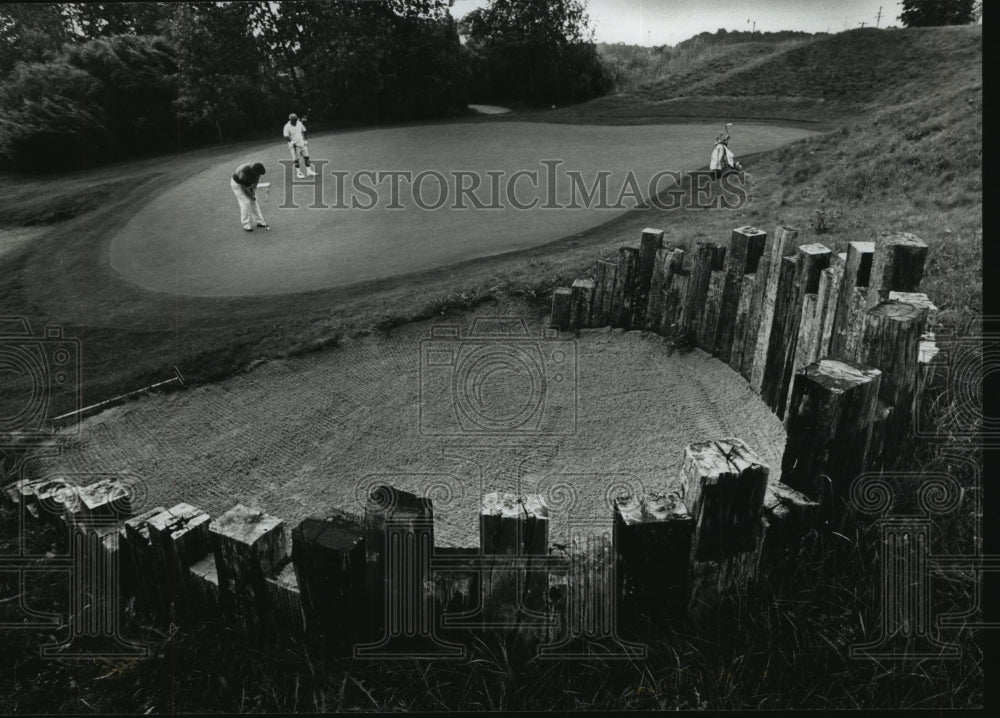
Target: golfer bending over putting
x=244 y=184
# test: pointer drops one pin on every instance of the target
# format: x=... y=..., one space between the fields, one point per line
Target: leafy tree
x=134 y=86
x=368 y=61
x=534 y=52
x=219 y=66
x=101 y=100
x=93 y=19
x=929 y=13
x=31 y=32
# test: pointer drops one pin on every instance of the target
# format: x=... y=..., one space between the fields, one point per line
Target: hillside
x=822 y=77
x=668 y=71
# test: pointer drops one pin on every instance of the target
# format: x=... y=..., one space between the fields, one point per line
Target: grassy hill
x=818 y=77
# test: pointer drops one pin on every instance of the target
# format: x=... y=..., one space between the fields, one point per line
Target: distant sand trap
x=11 y=239
x=489 y=109
x=307 y=435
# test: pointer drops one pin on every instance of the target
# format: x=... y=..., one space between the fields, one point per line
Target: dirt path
x=302 y=436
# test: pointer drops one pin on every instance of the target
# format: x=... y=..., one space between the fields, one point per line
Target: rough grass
x=786 y=645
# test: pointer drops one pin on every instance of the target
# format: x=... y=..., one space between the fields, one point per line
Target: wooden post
x=604 y=286
x=399 y=543
x=146 y=558
x=927 y=354
x=182 y=533
x=739 y=356
x=708 y=330
x=103 y=500
x=657 y=289
x=745 y=249
x=675 y=294
x=898 y=265
x=920 y=301
x=249 y=544
x=582 y=296
x=826 y=304
x=54 y=499
x=790 y=515
x=829 y=427
x=890 y=342
x=813 y=259
x=724 y=483
x=783 y=296
x=329 y=558
x=517 y=526
x=762 y=314
x=708 y=257
x=652 y=540
x=511 y=524
x=204 y=582
x=562 y=299
x=650 y=241
x=284 y=601
x=19 y=494
x=854 y=323
x=623 y=296
x=857 y=274
x=109 y=536
x=457 y=588
x=927 y=360
x=807 y=344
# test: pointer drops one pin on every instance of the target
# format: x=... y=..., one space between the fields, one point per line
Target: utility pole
x=878 y=19
x=862 y=23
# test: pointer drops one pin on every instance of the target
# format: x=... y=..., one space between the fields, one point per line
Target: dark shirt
x=245 y=176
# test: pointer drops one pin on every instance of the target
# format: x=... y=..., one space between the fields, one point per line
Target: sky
x=667 y=22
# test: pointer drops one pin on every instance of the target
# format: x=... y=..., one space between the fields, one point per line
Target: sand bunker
x=303 y=436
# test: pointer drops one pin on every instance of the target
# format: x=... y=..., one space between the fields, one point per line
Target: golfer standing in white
x=244 y=185
x=295 y=133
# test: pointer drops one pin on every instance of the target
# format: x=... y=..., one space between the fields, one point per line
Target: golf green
x=368 y=222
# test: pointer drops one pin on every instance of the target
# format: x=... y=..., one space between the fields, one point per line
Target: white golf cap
x=293 y=116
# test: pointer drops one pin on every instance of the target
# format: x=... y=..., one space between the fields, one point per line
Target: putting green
x=188 y=240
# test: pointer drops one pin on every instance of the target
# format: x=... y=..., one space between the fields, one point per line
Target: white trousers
x=250 y=213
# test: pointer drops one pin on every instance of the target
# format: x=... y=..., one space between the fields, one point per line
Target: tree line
x=86 y=83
